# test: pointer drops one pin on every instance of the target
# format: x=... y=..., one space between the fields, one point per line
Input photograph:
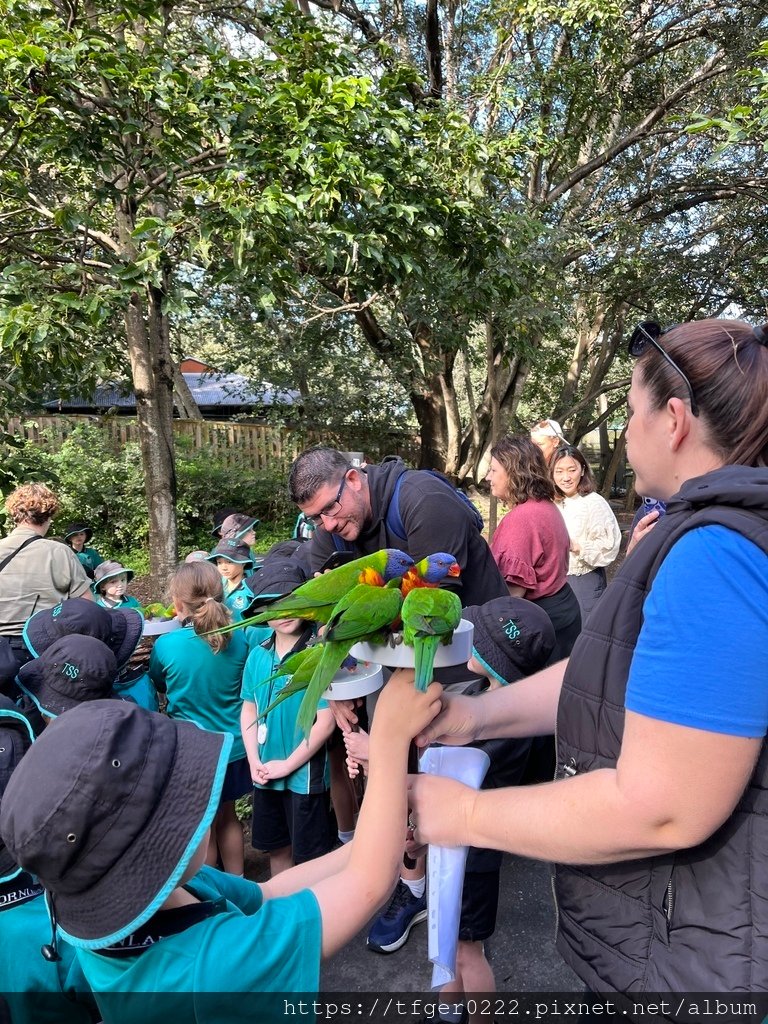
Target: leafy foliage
x=105 y=487
x=747 y=121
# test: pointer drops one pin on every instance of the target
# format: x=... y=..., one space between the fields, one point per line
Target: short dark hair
x=526 y=468
x=727 y=366
x=312 y=470
x=569 y=451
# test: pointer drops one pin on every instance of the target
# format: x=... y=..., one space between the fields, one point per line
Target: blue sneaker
x=392 y=927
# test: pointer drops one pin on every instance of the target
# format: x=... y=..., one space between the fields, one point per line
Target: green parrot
x=299 y=667
x=364 y=613
x=429 y=618
x=317 y=598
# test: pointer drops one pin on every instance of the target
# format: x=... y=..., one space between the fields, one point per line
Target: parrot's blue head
x=436 y=567
x=398 y=563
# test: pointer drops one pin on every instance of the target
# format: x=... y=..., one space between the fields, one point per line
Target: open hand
x=402 y=709
x=344 y=713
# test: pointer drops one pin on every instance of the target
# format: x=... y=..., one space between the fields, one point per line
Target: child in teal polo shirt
x=36 y=990
x=201 y=674
x=118 y=834
x=232 y=558
x=76 y=536
x=290 y=773
x=109 y=587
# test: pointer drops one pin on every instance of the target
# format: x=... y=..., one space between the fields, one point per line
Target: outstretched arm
x=672 y=787
x=349 y=898
x=527 y=708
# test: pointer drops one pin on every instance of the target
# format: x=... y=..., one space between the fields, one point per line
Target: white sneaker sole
x=394 y=946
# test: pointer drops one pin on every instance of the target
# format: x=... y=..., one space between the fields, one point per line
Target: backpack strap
x=395 y=521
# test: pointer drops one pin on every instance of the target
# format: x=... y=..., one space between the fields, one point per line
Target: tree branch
x=99 y=236
x=184 y=170
x=640 y=131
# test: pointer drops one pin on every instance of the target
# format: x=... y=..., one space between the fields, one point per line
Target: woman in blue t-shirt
x=661 y=792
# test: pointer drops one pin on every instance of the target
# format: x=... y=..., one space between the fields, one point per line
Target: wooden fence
x=254 y=446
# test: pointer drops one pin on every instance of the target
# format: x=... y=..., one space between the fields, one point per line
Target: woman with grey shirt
x=35 y=573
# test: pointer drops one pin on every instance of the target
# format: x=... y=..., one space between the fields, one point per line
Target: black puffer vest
x=692 y=921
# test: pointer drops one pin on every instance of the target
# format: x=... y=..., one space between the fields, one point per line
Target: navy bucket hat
x=218 y=518
x=119 y=628
x=278 y=577
x=513 y=637
x=107 y=808
x=78 y=527
x=71 y=671
x=233 y=551
x=16 y=737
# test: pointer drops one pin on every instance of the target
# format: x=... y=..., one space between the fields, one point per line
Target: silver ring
x=411 y=823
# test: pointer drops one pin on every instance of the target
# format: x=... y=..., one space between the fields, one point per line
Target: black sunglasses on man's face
x=648 y=333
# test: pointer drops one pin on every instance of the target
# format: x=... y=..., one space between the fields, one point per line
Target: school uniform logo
x=14 y=897
x=511 y=630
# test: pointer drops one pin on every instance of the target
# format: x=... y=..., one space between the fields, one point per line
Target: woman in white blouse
x=592 y=526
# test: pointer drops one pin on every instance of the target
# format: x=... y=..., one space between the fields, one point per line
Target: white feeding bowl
x=458 y=652
x=349 y=683
x=154 y=627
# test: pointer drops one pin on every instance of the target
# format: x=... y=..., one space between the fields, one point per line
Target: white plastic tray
x=456 y=653
x=154 y=627
x=357 y=682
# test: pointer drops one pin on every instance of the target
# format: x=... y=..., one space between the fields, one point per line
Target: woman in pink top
x=531 y=544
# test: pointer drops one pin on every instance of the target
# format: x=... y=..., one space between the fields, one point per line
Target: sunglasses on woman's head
x=648 y=333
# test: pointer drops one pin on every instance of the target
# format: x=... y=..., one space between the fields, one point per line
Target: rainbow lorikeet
x=363 y=614
x=430 y=571
x=299 y=667
x=429 y=618
x=316 y=599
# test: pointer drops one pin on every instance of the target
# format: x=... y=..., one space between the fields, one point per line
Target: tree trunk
x=435 y=404
x=183 y=401
x=149 y=350
x=613 y=465
x=494 y=415
x=152 y=371
x=430 y=412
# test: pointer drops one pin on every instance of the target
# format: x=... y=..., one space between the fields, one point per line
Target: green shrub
x=105 y=487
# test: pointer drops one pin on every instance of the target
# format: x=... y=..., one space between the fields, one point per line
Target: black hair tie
x=761 y=335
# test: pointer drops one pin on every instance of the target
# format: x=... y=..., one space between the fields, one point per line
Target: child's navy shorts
x=299 y=820
x=479 y=898
x=237 y=781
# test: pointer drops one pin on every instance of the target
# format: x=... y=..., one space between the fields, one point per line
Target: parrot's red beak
x=455 y=570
